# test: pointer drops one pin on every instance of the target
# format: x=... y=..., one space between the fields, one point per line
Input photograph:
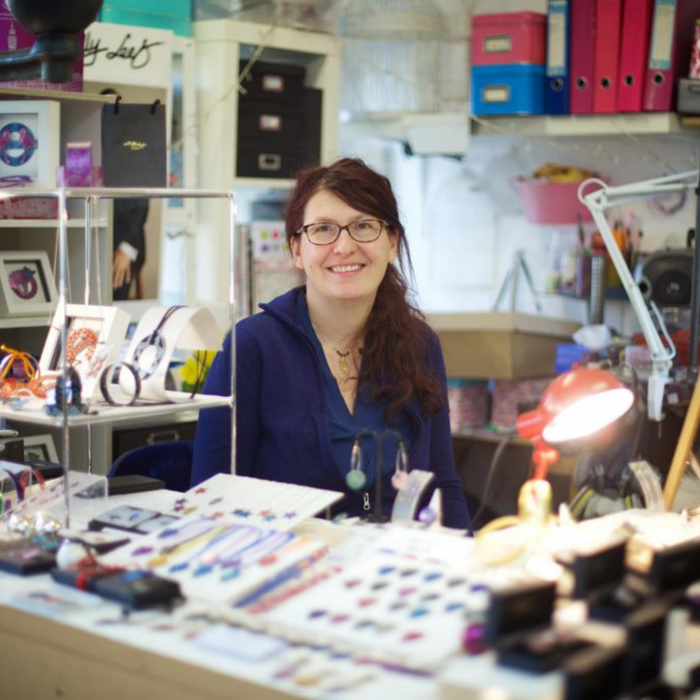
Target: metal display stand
x=90 y=197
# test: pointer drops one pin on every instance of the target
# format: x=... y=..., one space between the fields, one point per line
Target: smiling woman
x=344 y=356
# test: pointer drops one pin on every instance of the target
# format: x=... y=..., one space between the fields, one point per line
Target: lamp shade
x=576 y=404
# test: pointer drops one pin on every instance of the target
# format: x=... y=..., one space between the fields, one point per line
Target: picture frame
x=27 y=285
x=29 y=143
x=95 y=335
x=39 y=447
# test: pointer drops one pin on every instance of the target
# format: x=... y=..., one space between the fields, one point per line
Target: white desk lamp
x=597 y=202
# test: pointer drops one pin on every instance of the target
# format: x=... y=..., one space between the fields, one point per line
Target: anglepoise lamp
x=577 y=404
x=56 y=48
x=597 y=202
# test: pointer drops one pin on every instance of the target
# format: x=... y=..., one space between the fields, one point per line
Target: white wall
x=464 y=220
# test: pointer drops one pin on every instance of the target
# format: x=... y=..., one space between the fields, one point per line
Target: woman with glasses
x=347 y=357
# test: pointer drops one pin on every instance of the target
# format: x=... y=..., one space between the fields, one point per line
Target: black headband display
x=111 y=374
x=150 y=351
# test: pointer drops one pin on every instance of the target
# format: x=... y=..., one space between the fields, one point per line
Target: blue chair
x=170 y=462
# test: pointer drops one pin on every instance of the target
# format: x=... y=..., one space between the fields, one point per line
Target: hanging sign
x=118 y=54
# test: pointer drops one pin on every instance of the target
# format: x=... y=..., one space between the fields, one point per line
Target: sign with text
x=122 y=55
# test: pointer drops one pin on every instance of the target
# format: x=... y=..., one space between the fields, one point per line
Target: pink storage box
x=509 y=37
x=551 y=202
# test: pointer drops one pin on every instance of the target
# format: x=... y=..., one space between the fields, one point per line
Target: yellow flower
x=195 y=370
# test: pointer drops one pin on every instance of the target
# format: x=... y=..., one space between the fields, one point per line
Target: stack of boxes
x=508 y=63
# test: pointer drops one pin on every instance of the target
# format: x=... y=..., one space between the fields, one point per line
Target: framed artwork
x=29 y=143
x=27 y=286
x=94 y=339
x=39 y=448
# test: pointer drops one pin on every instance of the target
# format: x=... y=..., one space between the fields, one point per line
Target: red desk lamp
x=576 y=404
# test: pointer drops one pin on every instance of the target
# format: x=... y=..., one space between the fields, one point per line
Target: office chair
x=169 y=461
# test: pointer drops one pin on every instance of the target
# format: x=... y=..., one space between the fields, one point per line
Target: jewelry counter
x=340 y=610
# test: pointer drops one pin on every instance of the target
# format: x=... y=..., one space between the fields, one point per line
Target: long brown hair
x=395 y=352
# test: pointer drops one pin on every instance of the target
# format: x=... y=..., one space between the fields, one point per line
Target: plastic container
x=551 y=202
x=509 y=37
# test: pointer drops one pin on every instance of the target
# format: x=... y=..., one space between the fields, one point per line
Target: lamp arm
x=599 y=200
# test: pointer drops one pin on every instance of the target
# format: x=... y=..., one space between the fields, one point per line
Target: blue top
x=282 y=416
x=344 y=426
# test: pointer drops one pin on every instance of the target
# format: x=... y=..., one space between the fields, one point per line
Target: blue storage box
x=508 y=89
x=175 y=15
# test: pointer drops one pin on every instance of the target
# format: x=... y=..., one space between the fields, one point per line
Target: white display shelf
x=50 y=223
x=33 y=412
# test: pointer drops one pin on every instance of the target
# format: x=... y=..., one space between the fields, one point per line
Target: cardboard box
x=500 y=345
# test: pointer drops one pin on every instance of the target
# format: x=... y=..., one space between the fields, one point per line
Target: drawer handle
x=269 y=161
x=163 y=436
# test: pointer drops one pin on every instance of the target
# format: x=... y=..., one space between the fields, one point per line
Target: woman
x=345 y=353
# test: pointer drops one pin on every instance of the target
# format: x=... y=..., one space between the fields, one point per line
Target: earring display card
x=403 y=603
x=216 y=560
x=263 y=504
x=132 y=519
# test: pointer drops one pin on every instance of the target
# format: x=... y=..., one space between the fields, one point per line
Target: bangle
x=108 y=373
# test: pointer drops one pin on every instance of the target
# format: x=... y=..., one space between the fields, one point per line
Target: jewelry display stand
x=64 y=416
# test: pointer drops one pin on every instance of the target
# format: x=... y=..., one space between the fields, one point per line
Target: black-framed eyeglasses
x=325 y=232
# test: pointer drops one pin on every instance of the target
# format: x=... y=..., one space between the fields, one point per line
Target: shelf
x=49 y=223
x=33 y=412
x=61 y=95
x=643 y=123
x=438 y=134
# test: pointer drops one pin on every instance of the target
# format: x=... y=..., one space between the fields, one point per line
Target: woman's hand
x=121 y=269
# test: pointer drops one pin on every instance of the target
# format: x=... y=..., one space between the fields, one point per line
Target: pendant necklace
x=342 y=358
x=343 y=364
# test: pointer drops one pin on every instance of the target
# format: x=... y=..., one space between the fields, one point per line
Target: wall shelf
x=451 y=131
x=573 y=125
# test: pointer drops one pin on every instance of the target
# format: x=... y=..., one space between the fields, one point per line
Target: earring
x=400 y=476
x=355 y=478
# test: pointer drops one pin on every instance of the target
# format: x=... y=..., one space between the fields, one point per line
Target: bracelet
x=108 y=374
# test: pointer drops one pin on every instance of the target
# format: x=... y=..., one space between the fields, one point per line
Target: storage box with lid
x=509 y=38
x=164 y=14
x=500 y=345
x=508 y=89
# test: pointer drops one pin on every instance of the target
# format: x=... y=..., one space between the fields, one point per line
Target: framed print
x=29 y=143
x=27 y=286
x=94 y=339
x=39 y=448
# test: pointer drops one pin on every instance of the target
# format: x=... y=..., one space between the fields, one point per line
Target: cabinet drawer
x=128 y=439
x=272 y=82
x=268 y=160
x=276 y=123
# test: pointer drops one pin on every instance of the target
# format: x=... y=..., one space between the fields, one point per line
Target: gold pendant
x=343 y=365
